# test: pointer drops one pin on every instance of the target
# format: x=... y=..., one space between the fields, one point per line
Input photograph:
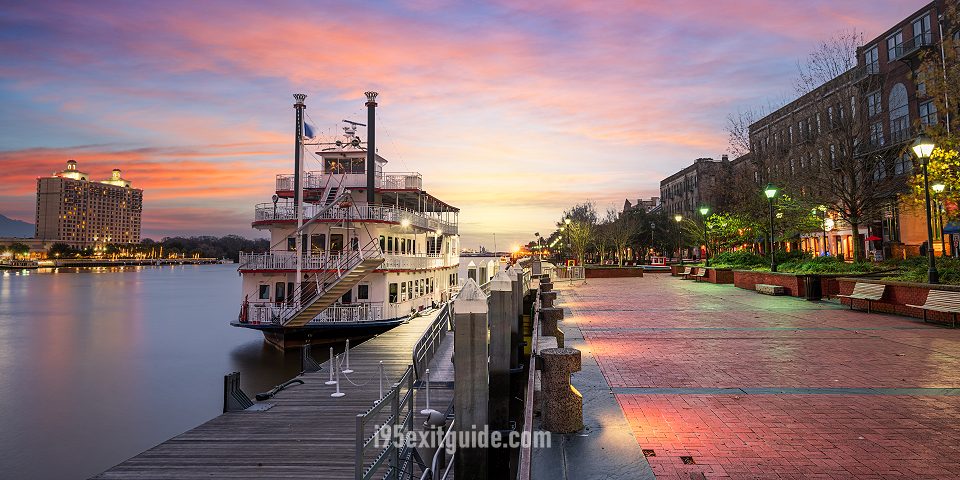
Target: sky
x=512 y=111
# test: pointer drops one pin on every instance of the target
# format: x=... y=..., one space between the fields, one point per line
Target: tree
x=61 y=249
x=581 y=236
x=837 y=162
x=18 y=249
x=621 y=230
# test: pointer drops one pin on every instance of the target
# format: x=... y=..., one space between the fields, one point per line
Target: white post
x=347 y=353
x=331 y=381
x=381 y=384
x=338 y=393
x=426 y=411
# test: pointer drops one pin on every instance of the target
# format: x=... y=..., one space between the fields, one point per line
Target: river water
x=97 y=365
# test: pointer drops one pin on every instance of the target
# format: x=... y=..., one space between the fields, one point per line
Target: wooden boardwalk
x=306 y=434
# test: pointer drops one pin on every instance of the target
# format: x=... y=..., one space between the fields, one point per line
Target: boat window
x=410 y=288
x=279 y=295
x=390 y=244
x=318 y=242
x=393 y=293
x=264 y=292
x=363 y=292
x=383 y=244
x=336 y=242
x=291 y=244
x=403 y=246
x=403 y=291
x=355 y=243
x=347 y=297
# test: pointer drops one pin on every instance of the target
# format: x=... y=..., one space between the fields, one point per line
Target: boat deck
x=306 y=433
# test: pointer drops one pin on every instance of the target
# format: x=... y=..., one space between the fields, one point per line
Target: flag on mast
x=308 y=131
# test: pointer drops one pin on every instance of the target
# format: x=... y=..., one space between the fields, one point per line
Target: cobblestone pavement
x=751 y=386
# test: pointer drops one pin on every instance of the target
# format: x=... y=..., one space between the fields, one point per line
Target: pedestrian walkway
x=717 y=381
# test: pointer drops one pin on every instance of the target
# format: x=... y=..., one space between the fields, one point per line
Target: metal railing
x=317 y=180
x=268 y=313
x=433 y=471
x=568 y=274
x=394 y=411
x=526 y=450
x=385 y=213
x=430 y=341
x=287 y=260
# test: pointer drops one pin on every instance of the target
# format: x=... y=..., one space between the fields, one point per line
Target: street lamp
x=679 y=218
x=938 y=189
x=922 y=148
x=771 y=191
x=704 y=210
x=275 y=198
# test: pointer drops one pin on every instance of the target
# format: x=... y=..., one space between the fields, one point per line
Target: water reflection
x=99 y=364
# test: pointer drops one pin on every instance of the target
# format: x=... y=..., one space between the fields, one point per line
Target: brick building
x=870 y=112
x=82 y=213
x=684 y=191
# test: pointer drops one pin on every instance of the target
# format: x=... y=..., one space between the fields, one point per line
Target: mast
x=297 y=184
x=371 y=146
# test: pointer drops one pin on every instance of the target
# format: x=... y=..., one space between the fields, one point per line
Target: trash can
x=813 y=287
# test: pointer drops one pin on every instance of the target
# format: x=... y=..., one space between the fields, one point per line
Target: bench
x=941 y=301
x=684 y=273
x=700 y=275
x=769 y=289
x=871 y=292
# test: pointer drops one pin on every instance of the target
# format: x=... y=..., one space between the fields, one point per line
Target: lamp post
x=922 y=148
x=938 y=189
x=679 y=218
x=704 y=210
x=275 y=198
x=771 y=191
x=566 y=224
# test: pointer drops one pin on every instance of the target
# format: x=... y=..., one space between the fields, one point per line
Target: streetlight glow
x=704 y=210
x=923 y=147
x=678 y=217
x=770 y=191
x=405 y=223
x=938 y=187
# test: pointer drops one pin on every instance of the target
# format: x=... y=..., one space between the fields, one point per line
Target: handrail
x=434 y=468
x=428 y=343
x=526 y=451
x=267 y=211
x=400 y=418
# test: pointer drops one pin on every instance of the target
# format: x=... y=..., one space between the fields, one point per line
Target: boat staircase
x=322 y=291
x=331 y=195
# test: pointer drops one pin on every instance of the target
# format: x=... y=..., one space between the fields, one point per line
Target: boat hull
x=323 y=333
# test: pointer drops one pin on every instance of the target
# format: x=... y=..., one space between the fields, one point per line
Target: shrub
x=915 y=270
x=738 y=259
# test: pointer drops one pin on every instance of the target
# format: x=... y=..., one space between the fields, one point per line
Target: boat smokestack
x=298 y=146
x=371 y=146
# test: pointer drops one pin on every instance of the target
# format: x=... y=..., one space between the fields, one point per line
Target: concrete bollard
x=546 y=285
x=549 y=317
x=471 y=390
x=547 y=299
x=562 y=403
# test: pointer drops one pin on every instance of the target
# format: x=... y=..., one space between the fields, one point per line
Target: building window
x=928 y=113
x=899 y=114
x=874 y=103
x=904 y=164
x=921 y=31
x=895 y=45
x=871 y=58
x=876 y=134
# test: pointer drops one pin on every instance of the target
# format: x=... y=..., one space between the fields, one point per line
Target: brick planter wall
x=618 y=272
x=792 y=284
x=719 y=275
x=896 y=297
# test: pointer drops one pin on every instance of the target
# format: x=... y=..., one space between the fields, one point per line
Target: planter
x=792 y=283
x=613 y=272
x=897 y=296
x=719 y=275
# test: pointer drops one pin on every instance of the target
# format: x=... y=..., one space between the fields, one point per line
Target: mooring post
x=501 y=306
x=471 y=391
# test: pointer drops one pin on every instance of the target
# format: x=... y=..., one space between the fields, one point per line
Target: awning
x=873 y=238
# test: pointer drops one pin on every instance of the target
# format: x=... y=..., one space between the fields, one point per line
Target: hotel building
x=81 y=212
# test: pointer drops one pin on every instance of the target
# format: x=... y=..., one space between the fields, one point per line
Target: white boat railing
x=385 y=213
x=269 y=313
x=318 y=180
x=284 y=260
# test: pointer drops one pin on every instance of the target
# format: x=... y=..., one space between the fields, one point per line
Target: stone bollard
x=546 y=285
x=548 y=324
x=562 y=403
x=547 y=299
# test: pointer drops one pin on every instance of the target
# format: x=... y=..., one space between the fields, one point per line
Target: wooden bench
x=941 y=301
x=769 y=289
x=684 y=273
x=871 y=292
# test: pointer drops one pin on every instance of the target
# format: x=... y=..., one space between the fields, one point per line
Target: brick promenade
x=751 y=386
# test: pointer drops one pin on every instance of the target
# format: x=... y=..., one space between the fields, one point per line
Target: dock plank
x=306 y=434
